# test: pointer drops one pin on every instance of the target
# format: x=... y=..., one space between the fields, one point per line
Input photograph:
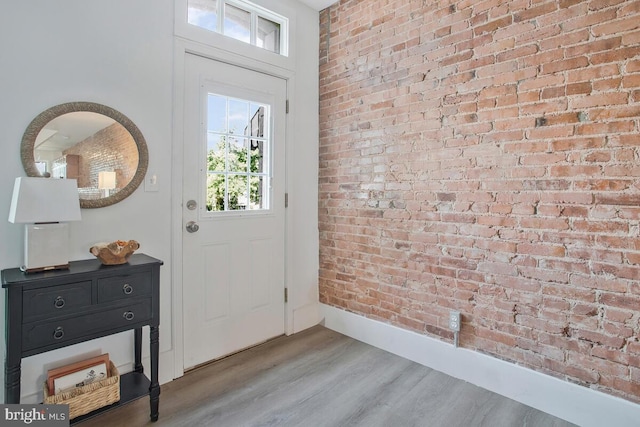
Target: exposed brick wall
x=110 y=149
x=484 y=156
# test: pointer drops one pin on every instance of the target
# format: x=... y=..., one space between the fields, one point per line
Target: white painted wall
x=121 y=53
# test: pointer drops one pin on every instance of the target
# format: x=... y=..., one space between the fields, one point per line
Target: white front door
x=233 y=209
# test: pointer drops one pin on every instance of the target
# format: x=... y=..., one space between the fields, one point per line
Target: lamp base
x=46 y=247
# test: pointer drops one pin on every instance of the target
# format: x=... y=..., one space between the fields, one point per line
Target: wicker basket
x=82 y=400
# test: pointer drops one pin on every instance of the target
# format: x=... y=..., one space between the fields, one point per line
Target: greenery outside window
x=238 y=155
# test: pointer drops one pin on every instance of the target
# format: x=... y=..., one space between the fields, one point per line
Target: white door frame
x=182 y=47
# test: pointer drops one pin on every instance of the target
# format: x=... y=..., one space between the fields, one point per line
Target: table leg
x=13 y=343
x=12 y=376
x=137 y=343
x=154 y=387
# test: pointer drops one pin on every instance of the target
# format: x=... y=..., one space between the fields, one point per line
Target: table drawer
x=55 y=300
x=124 y=286
x=43 y=334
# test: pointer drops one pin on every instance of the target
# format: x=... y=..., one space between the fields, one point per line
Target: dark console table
x=54 y=309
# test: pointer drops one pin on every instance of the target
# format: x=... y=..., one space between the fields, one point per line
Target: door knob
x=192 y=227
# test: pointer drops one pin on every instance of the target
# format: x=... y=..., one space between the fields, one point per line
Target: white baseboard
x=571 y=402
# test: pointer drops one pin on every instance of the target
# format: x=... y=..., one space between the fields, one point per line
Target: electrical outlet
x=454 y=320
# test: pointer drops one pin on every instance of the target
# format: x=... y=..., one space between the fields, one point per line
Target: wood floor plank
x=319 y=378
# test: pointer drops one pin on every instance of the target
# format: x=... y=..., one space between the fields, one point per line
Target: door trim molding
x=183 y=47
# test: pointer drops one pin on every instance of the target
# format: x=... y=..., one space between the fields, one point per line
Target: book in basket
x=88 y=398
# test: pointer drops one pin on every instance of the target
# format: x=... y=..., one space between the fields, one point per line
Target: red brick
x=545 y=223
x=607 y=84
x=601 y=4
x=615 y=55
x=533 y=12
x=438 y=191
x=603 y=184
x=544 y=159
x=620 y=301
x=618 y=199
x=600 y=99
x=592 y=73
x=600 y=227
x=568 y=3
x=633 y=66
x=621 y=112
x=493 y=25
x=631 y=81
x=587 y=20
x=543 y=250
x=594 y=46
x=564 y=65
x=579 y=88
x=553 y=92
x=616 y=26
x=577 y=144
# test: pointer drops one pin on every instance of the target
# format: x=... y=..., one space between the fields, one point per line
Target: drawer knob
x=59 y=302
x=58 y=333
x=127 y=289
x=128 y=315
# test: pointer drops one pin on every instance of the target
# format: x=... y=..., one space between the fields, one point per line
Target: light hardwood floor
x=321 y=378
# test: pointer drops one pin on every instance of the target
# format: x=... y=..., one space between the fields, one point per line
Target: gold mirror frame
x=29 y=138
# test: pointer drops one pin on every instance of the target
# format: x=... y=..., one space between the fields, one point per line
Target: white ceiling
x=318 y=4
x=67 y=130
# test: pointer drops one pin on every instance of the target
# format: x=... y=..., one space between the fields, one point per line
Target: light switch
x=151 y=182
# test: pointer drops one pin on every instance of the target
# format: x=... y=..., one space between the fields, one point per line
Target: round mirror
x=93 y=143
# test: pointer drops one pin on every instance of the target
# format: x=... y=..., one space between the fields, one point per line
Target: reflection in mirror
x=89 y=147
x=94 y=144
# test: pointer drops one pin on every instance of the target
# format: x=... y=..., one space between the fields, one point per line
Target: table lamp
x=106 y=182
x=44 y=205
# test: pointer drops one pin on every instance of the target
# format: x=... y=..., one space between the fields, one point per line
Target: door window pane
x=237 y=157
x=216 y=113
x=237 y=23
x=216 y=149
x=238 y=154
x=237 y=194
x=238 y=116
x=268 y=35
x=203 y=13
x=256 y=112
x=257 y=156
x=215 y=192
x=258 y=190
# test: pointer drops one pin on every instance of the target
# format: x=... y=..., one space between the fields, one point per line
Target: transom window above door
x=241 y=20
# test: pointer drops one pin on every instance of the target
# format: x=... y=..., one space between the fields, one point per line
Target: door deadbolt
x=192 y=227
x=192 y=205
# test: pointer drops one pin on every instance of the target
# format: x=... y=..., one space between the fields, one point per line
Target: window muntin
x=241 y=20
x=238 y=155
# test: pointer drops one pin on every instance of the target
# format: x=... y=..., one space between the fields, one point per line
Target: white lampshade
x=44 y=205
x=37 y=200
x=106 y=180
